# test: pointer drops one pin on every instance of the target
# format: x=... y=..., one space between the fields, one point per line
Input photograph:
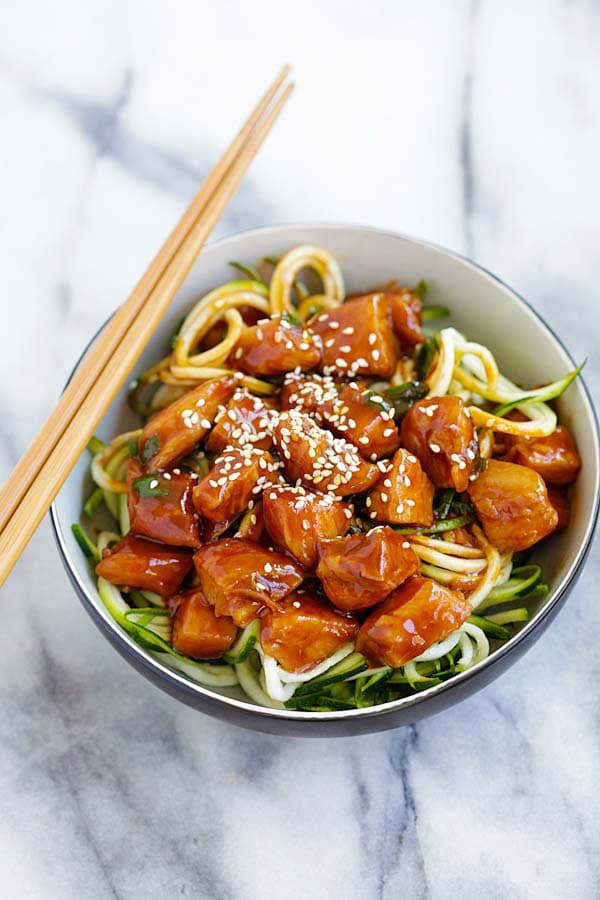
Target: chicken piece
x=553 y=457
x=178 y=428
x=405 y=309
x=296 y=519
x=307 y=394
x=136 y=562
x=560 y=502
x=512 y=504
x=241 y=579
x=404 y=494
x=276 y=347
x=360 y=570
x=439 y=432
x=314 y=456
x=413 y=618
x=197 y=631
x=237 y=476
x=160 y=506
x=357 y=337
x=246 y=420
x=304 y=631
x=370 y=428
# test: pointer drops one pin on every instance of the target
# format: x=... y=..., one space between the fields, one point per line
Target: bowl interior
x=482 y=307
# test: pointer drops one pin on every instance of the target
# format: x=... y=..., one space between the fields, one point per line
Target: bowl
x=488 y=311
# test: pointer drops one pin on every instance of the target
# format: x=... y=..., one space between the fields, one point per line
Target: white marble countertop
x=475 y=125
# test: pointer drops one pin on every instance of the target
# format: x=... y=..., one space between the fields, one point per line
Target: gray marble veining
x=474 y=124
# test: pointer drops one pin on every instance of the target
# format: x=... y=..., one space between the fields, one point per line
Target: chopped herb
x=425 y=357
x=292 y=318
x=313 y=310
x=441 y=509
x=150 y=448
x=132 y=446
x=399 y=398
x=428 y=313
x=247 y=270
x=420 y=290
x=150 y=486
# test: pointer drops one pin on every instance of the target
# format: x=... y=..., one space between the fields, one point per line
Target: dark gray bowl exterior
x=342 y=724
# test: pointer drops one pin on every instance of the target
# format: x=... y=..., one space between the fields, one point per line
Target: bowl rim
x=164 y=673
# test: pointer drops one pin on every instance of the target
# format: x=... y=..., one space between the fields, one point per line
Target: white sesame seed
x=372 y=339
x=363 y=440
x=167 y=476
x=384 y=496
x=346 y=348
x=388 y=432
x=375 y=354
x=435 y=448
x=296 y=603
x=238 y=353
x=334 y=325
x=154 y=483
x=205 y=423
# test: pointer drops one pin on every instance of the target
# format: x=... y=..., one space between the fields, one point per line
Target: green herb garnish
x=150 y=486
x=150 y=448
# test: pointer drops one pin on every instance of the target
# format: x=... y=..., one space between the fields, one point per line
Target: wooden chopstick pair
x=43 y=468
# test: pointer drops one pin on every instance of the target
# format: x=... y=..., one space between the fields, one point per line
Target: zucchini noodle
x=306 y=256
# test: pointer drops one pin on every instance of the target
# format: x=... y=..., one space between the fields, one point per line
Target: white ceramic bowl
x=487 y=311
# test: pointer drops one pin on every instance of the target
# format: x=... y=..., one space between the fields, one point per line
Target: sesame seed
x=400 y=509
x=167 y=476
x=296 y=603
x=388 y=432
x=406 y=545
x=306 y=524
x=330 y=342
x=334 y=325
x=384 y=496
x=346 y=348
x=363 y=440
x=238 y=353
x=372 y=338
x=154 y=483
x=387 y=483
x=205 y=423
x=268 y=567
x=435 y=448
x=375 y=354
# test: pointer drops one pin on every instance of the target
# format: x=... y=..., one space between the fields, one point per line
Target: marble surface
x=474 y=124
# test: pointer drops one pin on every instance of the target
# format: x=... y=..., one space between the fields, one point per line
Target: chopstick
x=108 y=341
x=77 y=420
